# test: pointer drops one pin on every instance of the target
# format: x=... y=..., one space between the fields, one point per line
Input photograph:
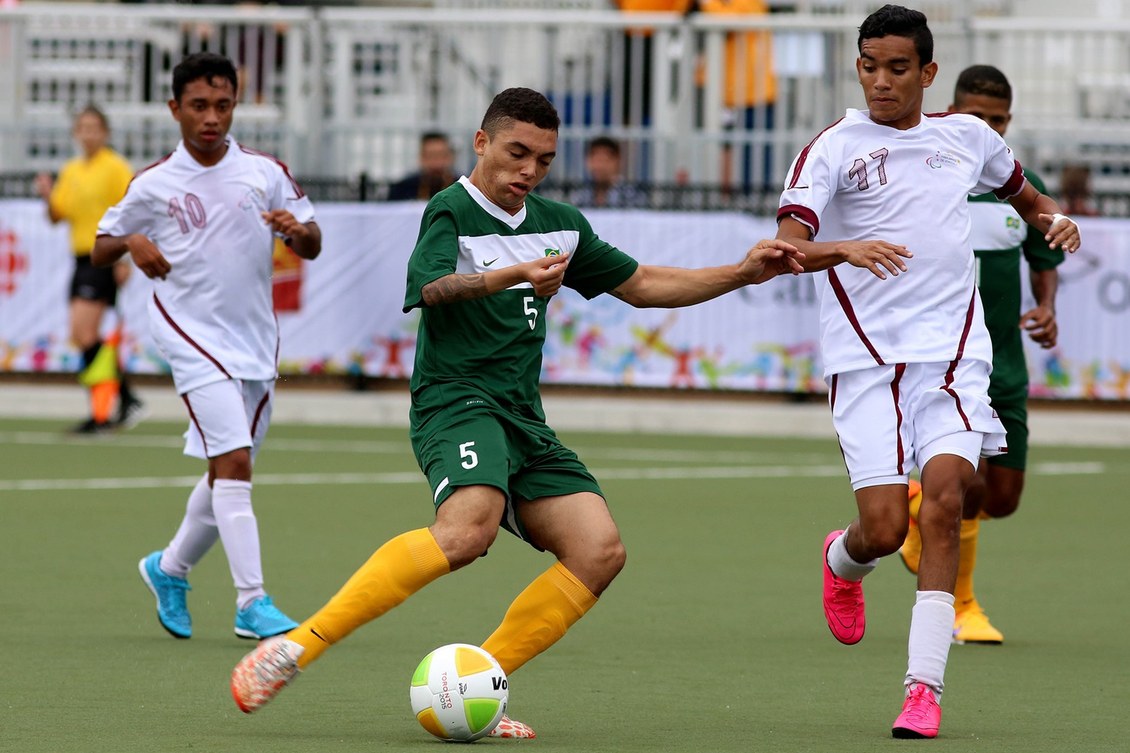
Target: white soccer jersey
x=859 y=180
x=213 y=315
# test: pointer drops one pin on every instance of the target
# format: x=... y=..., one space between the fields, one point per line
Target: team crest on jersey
x=255 y=200
x=943 y=159
x=1013 y=223
x=553 y=252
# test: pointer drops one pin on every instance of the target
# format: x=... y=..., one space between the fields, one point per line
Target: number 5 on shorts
x=470 y=457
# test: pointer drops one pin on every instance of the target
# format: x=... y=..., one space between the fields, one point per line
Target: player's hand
x=1041 y=326
x=546 y=274
x=43 y=185
x=147 y=257
x=282 y=222
x=880 y=257
x=1062 y=232
x=769 y=258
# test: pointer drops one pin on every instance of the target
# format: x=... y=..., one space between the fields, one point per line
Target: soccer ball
x=459 y=692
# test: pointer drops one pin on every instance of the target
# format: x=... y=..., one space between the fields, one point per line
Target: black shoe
x=90 y=426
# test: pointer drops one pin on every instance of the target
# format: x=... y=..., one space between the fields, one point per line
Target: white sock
x=931 y=632
x=196 y=535
x=231 y=504
x=843 y=565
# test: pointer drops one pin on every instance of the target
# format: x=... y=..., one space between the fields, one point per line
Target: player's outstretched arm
x=304 y=238
x=879 y=257
x=545 y=274
x=1043 y=213
x=109 y=248
x=673 y=287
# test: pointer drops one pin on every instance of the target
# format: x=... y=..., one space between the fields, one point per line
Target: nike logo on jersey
x=492 y=261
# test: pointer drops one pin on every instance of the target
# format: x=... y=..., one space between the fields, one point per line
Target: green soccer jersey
x=999 y=237
x=490 y=348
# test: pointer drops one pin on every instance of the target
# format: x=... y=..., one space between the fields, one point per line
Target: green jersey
x=999 y=237
x=489 y=349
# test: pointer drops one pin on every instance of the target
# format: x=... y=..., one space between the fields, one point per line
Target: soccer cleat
x=911 y=550
x=921 y=714
x=843 y=602
x=172 y=609
x=261 y=674
x=507 y=727
x=262 y=619
x=90 y=426
x=971 y=625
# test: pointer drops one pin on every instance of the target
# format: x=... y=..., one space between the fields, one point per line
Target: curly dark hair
x=522 y=105
x=895 y=20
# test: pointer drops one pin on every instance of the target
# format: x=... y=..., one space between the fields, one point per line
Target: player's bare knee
x=464 y=544
x=1001 y=507
x=612 y=558
x=232 y=465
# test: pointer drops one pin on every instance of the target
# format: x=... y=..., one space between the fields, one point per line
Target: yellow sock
x=397 y=570
x=966 y=562
x=539 y=617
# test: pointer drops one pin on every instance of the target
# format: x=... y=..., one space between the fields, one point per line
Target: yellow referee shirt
x=86 y=188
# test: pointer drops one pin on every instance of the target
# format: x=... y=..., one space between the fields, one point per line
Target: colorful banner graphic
x=340 y=314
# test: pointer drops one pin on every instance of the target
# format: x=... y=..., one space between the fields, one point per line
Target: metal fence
x=346 y=92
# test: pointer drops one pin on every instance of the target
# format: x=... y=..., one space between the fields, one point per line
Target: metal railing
x=346 y=91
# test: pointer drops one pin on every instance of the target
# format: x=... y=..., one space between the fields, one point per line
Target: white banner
x=341 y=313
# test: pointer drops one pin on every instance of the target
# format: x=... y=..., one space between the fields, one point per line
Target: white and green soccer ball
x=459 y=692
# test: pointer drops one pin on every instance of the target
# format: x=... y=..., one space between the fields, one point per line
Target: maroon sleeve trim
x=801 y=213
x=1014 y=184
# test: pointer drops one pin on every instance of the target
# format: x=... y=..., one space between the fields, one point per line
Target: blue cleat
x=172 y=611
x=262 y=619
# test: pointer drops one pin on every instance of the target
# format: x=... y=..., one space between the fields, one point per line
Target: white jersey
x=213 y=314
x=859 y=180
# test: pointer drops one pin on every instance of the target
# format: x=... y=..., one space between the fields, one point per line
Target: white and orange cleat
x=264 y=672
x=512 y=729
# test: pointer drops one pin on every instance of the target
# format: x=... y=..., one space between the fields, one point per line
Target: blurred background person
x=1076 y=194
x=436 y=172
x=749 y=91
x=604 y=187
x=87 y=186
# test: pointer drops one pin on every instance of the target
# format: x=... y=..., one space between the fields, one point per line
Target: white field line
x=656 y=455
x=413 y=477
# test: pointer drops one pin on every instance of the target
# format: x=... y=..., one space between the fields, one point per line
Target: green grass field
x=712 y=639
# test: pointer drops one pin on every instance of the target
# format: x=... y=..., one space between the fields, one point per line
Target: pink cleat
x=843 y=602
x=921 y=715
x=512 y=729
x=264 y=672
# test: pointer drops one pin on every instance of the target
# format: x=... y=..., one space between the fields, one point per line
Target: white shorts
x=893 y=418
x=225 y=416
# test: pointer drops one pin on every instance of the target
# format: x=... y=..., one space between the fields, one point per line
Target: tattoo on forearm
x=454 y=288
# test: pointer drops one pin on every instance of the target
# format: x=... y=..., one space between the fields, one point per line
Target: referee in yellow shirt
x=88 y=185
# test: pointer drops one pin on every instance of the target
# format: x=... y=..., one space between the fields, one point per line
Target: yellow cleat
x=971 y=625
x=911 y=550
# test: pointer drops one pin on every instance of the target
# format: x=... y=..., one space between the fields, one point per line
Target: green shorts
x=1013 y=413
x=481 y=444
